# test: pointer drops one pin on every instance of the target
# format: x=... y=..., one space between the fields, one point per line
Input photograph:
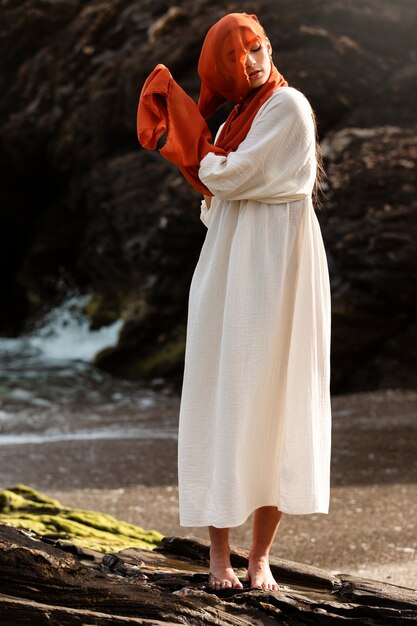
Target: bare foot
x=222 y=575
x=259 y=574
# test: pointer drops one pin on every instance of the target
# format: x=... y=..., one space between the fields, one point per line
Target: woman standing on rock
x=255 y=419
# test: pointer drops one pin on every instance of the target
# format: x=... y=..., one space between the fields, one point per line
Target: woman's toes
x=266 y=585
x=224 y=578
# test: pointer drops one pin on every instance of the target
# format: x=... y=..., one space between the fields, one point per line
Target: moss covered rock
x=27 y=508
x=102 y=310
x=146 y=353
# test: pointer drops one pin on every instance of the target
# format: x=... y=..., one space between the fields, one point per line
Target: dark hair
x=318 y=189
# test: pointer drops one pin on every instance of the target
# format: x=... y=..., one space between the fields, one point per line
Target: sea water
x=50 y=390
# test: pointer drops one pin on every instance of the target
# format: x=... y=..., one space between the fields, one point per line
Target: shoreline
x=370 y=528
x=302 y=538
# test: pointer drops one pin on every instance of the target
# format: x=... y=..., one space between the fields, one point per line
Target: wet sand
x=370 y=529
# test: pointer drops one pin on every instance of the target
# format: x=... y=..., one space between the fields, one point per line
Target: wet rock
x=83 y=207
x=73 y=592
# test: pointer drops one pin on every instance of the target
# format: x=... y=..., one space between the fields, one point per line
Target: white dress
x=255 y=418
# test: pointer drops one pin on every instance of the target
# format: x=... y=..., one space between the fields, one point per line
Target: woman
x=255 y=420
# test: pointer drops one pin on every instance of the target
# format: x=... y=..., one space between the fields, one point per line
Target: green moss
x=29 y=509
x=102 y=311
x=34 y=300
x=25 y=499
x=35 y=496
x=158 y=362
x=165 y=358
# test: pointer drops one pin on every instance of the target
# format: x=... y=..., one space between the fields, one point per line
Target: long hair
x=319 y=183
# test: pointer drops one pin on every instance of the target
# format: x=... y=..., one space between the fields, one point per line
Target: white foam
x=4 y=416
x=65 y=335
x=86 y=435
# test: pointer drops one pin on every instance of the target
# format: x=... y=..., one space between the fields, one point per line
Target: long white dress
x=255 y=417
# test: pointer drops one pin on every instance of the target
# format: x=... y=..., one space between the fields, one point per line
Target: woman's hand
x=208 y=201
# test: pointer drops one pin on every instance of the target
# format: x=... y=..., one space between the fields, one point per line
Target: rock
x=82 y=530
x=85 y=208
x=164 y=24
x=45 y=585
x=373 y=260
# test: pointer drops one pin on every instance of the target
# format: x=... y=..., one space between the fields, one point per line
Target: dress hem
x=225 y=524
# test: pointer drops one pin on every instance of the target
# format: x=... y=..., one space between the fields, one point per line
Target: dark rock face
x=373 y=258
x=84 y=207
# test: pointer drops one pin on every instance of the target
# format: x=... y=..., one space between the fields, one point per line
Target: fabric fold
x=164 y=107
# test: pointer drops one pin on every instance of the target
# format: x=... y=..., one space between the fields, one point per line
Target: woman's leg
x=265 y=525
x=222 y=574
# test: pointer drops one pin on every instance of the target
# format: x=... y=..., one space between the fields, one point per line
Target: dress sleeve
x=205 y=211
x=205 y=214
x=276 y=159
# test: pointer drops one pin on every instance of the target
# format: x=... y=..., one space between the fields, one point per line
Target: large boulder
x=84 y=208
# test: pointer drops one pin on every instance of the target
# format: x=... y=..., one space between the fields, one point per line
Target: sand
x=370 y=530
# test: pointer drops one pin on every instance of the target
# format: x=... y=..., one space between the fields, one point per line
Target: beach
x=131 y=473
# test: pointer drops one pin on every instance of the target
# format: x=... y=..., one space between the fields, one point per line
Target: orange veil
x=165 y=108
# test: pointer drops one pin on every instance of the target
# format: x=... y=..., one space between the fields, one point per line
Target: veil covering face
x=221 y=66
x=165 y=108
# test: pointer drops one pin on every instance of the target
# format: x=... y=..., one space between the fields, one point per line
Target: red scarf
x=165 y=107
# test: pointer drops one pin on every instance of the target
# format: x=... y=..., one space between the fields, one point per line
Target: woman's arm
x=274 y=160
x=208 y=201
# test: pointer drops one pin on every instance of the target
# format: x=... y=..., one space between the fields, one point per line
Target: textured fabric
x=255 y=419
x=165 y=107
x=222 y=69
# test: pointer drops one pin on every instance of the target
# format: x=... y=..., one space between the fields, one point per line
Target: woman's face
x=258 y=64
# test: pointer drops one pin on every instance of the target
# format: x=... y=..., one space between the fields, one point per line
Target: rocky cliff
x=83 y=207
